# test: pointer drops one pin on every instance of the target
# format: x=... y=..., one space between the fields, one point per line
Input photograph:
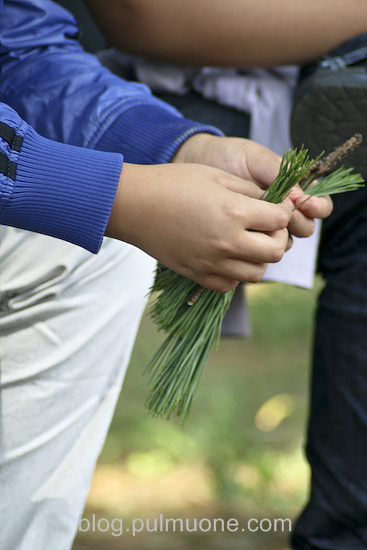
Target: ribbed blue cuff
x=150 y=134
x=63 y=191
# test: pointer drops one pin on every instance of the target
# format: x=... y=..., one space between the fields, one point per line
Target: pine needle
x=192 y=316
x=295 y=166
x=177 y=366
x=339 y=181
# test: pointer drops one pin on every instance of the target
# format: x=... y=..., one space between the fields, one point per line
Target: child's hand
x=202 y=222
x=254 y=162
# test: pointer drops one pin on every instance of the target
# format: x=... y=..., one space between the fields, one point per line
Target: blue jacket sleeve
x=66 y=95
x=54 y=188
x=67 y=106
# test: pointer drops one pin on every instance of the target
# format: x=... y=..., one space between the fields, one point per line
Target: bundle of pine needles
x=192 y=316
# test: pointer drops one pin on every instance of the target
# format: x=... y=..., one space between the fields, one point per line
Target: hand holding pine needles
x=192 y=316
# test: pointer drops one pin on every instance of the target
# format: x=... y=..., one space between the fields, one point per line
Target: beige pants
x=68 y=320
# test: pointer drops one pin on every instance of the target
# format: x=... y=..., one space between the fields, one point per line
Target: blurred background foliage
x=241 y=453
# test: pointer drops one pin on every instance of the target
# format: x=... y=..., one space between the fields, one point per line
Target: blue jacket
x=67 y=124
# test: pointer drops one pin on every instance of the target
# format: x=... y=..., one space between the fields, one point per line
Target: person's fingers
x=249 y=272
x=217 y=283
x=301 y=225
x=255 y=246
x=250 y=258
x=315 y=207
x=243 y=187
x=262 y=164
x=264 y=248
x=242 y=157
x=265 y=216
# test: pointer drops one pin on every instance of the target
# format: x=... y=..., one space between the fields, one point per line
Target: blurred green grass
x=241 y=450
